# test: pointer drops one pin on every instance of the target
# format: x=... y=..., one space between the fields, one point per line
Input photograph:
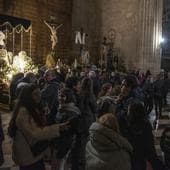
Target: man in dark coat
x=50 y=95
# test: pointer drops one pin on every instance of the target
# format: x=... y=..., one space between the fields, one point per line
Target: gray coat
x=107 y=150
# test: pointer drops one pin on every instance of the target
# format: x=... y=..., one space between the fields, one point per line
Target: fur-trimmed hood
x=105 y=139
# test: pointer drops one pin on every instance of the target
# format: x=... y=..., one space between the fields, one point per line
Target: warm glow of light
x=19 y=63
x=9 y=76
x=15 y=64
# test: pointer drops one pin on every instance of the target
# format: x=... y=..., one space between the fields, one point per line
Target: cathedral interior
x=133 y=27
x=88 y=39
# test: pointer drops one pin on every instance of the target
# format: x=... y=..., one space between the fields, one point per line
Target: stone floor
x=10 y=165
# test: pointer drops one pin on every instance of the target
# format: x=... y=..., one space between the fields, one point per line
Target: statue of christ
x=53 y=30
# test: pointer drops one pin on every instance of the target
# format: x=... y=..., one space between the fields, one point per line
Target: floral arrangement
x=10 y=65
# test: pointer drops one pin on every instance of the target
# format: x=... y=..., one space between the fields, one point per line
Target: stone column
x=149 y=33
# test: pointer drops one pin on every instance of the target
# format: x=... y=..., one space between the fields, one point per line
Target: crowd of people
x=88 y=119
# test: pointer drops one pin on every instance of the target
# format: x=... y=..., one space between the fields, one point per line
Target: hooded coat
x=107 y=150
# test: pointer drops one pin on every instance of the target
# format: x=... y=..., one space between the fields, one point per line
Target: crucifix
x=53 y=28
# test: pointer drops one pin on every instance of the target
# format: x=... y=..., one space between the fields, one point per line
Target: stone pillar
x=149 y=33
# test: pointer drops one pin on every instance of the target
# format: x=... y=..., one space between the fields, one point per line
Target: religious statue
x=75 y=63
x=112 y=35
x=110 y=64
x=2 y=39
x=80 y=37
x=53 y=30
x=85 y=56
x=50 y=62
x=103 y=52
x=116 y=61
x=10 y=57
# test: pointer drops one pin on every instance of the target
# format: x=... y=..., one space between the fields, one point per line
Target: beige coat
x=21 y=152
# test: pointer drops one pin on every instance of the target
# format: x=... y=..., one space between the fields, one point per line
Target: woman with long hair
x=28 y=127
x=88 y=108
x=140 y=137
x=88 y=102
x=67 y=111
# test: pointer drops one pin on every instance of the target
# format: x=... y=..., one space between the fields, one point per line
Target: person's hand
x=120 y=97
x=64 y=126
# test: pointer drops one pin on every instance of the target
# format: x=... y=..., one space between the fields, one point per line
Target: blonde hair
x=110 y=121
x=50 y=62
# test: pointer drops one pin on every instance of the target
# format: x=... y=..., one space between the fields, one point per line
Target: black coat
x=68 y=112
x=50 y=97
x=141 y=138
x=88 y=108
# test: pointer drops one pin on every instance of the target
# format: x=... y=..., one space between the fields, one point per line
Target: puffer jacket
x=107 y=150
x=27 y=134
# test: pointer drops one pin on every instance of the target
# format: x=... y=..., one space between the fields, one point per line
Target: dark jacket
x=50 y=97
x=148 y=90
x=122 y=109
x=88 y=108
x=67 y=112
x=141 y=138
x=158 y=88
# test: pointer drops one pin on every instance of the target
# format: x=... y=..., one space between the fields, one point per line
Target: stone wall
x=138 y=29
x=86 y=14
x=122 y=16
x=137 y=25
x=36 y=11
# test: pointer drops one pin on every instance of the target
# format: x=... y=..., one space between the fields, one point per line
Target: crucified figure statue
x=53 y=30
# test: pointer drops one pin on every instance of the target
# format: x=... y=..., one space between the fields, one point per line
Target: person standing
x=27 y=127
x=106 y=148
x=49 y=95
x=88 y=108
x=158 y=97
